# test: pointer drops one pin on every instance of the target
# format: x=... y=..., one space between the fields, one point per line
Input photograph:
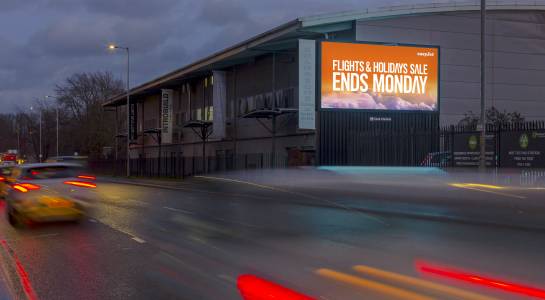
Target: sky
x=42 y=42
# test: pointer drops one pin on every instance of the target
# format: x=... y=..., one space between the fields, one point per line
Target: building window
x=209 y=113
x=178 y=121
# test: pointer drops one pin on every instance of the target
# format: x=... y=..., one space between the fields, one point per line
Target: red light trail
x=457 y=274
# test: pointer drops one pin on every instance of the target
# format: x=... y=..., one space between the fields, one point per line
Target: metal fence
x=350 y=137
x=513 y=145
x=520 y=145
x=178 y=166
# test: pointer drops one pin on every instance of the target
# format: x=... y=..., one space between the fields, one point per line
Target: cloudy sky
x=44 y=41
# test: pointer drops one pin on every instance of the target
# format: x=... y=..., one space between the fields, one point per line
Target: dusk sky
x=44 y=41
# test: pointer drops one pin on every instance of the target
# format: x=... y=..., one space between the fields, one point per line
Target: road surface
x=350 y=235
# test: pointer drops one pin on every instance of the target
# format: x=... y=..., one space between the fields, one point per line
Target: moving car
x=47 y=192
x=78 y=160
x=5 y=172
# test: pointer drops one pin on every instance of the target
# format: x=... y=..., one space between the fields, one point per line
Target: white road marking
x=46 y=235
x=139 y=240
x=133 y=237
x=272 y=188
x=179 y=210
x=227 y=278
x=215 y=218
x=39 y=236
x=92 y=220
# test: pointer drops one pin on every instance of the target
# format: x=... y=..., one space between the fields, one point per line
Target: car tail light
x=25 y=187
x=2 y=179
x=89 y=177
x=84 y=184
x=254 y=288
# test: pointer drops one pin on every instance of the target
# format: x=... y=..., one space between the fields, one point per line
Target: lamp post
x=482 y=160
x=57 y=117
x=114 y=47
x=40 y=139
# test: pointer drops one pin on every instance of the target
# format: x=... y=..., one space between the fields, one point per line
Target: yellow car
x=46 y=192
x=5 y=173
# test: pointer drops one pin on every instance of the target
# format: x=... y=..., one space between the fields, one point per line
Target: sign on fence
x=523 y=149
x=466 y=149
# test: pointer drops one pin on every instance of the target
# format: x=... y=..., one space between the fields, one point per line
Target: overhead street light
x=53 y=97
x=115 y=47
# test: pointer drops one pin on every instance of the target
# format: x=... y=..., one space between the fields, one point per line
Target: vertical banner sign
x=307 y=84
x=133 y=122
x=166 y=116
x=219 y=102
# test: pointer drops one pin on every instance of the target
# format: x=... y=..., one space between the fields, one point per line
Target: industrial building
x=245 y=104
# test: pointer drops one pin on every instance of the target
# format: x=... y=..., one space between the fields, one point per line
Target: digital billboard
x=379 y=77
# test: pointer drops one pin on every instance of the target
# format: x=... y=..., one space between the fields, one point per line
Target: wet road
x=327 y=236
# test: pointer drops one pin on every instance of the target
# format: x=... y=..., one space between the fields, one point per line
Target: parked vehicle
x=79 y=160
x=437 y=159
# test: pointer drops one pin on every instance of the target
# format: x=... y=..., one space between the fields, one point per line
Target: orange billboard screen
x=370 y=76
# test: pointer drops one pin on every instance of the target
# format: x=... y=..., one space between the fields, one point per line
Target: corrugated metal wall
x=515 y=61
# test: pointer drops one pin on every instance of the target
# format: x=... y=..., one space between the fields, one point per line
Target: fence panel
x=520 y=145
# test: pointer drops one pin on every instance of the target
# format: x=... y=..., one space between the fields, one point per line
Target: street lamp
x=52 y=97
x=114 y=47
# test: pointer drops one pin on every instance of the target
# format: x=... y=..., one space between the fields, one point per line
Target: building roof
x=287 y=34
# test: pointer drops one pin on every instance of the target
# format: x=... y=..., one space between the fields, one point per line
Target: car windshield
x=51 y=172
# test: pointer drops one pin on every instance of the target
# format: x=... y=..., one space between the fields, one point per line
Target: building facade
x=242 y=103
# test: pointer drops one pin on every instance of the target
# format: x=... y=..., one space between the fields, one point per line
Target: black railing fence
x=178 y=166
x=520 y=145
x=512 y=145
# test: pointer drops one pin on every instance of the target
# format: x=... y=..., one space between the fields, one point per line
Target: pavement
x=330 y=233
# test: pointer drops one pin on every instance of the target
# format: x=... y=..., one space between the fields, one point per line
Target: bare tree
x=493 y=117
x=81 y=97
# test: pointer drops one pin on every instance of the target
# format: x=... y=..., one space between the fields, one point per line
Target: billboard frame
x=319 y=76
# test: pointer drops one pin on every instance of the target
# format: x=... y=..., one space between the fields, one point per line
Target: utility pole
x=273 y=99
x=41 y=155
x=57 y=117
x=482 y=160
